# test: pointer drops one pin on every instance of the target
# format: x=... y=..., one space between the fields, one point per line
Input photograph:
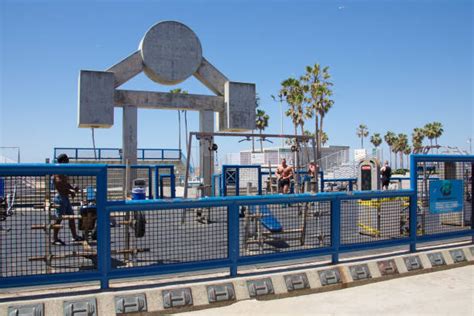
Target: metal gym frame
x=210 y=137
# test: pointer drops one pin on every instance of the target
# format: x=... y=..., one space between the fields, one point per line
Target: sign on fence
x=446 y=196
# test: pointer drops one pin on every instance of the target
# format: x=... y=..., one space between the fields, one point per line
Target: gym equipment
x=372 y=211
x=262 y=226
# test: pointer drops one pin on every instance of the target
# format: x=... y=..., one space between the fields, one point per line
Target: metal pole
x=188 y=161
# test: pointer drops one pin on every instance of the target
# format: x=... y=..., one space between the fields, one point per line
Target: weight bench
x=268 y=227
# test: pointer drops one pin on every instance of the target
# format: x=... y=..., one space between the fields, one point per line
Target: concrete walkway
x=449 y=292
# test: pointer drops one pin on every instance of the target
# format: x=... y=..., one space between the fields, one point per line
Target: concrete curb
x=172 y=299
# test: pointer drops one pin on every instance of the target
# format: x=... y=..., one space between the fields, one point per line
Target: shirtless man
x=284 y=173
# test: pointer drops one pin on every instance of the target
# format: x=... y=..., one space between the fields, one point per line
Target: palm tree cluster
x=309 y=97
x=399 y=144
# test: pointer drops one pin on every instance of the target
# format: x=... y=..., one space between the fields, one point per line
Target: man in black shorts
x=386 y=172
x=284 y=173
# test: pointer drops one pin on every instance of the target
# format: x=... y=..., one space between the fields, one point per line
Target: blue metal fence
x=321 y=224
x=99 y=154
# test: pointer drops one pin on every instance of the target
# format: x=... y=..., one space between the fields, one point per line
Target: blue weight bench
x=268 y=220
x=262 y=226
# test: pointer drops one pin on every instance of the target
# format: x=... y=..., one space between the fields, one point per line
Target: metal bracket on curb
x=130 y=304
x=457 y=255
x=220 y=293
x=177 y=298
x=436 y=259
x=387 y=267
x=87 y=307
x=329 y=277
x=296 y=281
x=413 y=263
x=360 y=272
x=260 y=287
x=26 y=310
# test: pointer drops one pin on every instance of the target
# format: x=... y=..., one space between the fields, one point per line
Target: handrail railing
x=143 y=154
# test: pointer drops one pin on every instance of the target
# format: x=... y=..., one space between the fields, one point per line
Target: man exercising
x=284 y=173
x=63 y=205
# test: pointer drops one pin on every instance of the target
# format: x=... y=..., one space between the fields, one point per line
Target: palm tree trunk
x=305 y=144
x=320 y=134
x=401 y=159
x=261 y=141
x=316 y=136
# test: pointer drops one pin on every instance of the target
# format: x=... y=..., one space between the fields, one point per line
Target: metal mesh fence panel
x=430 y=178
x=271 y=228
x=365 y=221
x=155 y=237
x=248 y=181
x=30 y=213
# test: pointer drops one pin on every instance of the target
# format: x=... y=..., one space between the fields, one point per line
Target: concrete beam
x=127 y=68
x=168 y=101
x=211 y=77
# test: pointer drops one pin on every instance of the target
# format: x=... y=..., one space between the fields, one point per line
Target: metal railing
x=100 y=154
x=154 y=237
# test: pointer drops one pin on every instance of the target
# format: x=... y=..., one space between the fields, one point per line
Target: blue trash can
x=138 y=194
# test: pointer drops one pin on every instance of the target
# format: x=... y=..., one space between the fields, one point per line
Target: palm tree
x=430 y=132
x=324 y=138
x=362 y=132
x=318 y=98
x=437 y=130
x=417 y=139
x=261 y=123
x=180 y=91
x=390 y=140
x=376 y=140
x=401 y=144
x=407 y=152
x=293 y=93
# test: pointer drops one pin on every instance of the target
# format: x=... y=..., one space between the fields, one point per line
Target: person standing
x=63 y=205
x=386 y=172
x=284 y=174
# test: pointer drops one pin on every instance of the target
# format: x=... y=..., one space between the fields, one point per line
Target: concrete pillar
x=129 y=142
x=206 y=156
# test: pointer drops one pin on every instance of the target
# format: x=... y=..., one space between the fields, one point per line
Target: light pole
x=280 y=100
x=469 y=140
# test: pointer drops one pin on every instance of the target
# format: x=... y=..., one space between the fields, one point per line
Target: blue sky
x=395 y=65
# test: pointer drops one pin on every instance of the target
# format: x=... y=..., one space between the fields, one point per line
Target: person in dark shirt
x=386 y=172
x=63 y=205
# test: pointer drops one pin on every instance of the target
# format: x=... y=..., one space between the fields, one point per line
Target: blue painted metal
x=158 y=184
x=104 y=208
x=335 y=228
x=141 y=153
x=233 y=230
x=103 y=234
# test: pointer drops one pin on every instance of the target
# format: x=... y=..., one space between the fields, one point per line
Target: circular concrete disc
x=171 y=52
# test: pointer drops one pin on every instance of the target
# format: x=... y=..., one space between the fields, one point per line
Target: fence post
x=472 y=198
x=172 y=183
x=233 y=237
x=150 y=183
x=322 y=181
x=103 y=229
x=413 y=203
x=335 y=228
x=157 y=182
x=237 y=181
x=259 y=180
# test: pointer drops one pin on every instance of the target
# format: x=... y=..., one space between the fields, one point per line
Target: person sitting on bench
x=284 y=174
